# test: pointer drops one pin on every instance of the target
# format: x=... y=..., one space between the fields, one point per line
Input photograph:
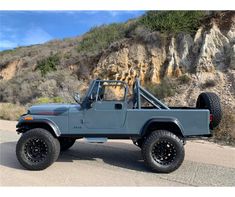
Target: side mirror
x=77 y=97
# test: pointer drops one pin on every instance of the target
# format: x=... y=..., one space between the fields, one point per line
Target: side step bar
x=96 y=139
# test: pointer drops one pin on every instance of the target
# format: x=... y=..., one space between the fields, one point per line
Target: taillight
x=211 y=117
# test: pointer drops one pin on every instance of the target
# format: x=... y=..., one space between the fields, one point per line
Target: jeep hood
x=51 y=109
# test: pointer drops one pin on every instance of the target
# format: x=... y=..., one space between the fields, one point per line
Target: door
x=108 y=110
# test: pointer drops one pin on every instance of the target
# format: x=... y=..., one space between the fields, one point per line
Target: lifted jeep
x=107 y=113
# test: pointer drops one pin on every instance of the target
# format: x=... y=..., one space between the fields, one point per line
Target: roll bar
x=139 y=91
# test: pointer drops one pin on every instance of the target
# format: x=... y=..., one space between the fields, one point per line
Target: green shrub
x=165 y=89
x=173 y=21
x=58 y=100
x=68 y=55
x=210 y=83
x=48 y=64
x=184 y=79
x=42 y=100
x=99 y=38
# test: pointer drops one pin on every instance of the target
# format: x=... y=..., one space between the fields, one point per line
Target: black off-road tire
x=37 y=149
x=66 y=143
x=163 y=151
x=209 y=100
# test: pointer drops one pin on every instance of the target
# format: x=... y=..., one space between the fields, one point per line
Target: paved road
x=116 y=163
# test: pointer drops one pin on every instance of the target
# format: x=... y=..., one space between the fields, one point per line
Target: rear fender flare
x=165 y=120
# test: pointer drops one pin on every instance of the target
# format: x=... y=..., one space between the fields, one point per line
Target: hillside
x=176 y=55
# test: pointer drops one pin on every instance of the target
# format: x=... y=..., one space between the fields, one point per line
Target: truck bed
x=193 y=121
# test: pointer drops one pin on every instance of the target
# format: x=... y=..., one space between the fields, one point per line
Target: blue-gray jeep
x=108 y=111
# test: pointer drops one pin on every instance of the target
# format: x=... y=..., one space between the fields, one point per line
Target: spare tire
x=209 y=100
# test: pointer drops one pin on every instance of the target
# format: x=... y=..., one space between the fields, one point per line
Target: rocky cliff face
x=209 y=55
x=209 y=51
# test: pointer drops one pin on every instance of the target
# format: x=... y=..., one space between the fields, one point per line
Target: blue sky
x=23 y=28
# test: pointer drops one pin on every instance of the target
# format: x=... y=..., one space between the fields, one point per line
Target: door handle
x=118 y=106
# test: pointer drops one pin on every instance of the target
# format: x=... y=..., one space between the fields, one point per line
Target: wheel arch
x=50 y=126
x=171 y=124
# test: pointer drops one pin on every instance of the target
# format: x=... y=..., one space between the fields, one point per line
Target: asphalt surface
x=116 y=163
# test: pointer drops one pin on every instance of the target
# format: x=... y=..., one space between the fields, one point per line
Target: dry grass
x=225 y=132
x=10 y=111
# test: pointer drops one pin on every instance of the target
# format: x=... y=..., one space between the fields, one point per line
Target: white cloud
x=36 y=35
x=10 y=37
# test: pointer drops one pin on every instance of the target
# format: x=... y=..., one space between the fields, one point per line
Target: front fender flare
x=54 y=127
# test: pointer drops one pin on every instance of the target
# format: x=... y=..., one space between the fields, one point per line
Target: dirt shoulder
x=7 y=125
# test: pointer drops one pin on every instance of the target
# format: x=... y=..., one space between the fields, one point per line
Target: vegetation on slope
x=165 y=89
x=173 y=21
x=48 y=64
x=99 y=38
